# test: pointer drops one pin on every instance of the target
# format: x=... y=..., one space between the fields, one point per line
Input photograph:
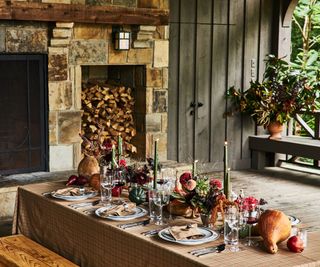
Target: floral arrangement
x=201 y=193
x=249 y=202
x=282 y=93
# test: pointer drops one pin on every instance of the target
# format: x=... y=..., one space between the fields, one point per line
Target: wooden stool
x=20 y=251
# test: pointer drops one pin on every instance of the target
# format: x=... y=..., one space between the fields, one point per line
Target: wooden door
x=214 y=44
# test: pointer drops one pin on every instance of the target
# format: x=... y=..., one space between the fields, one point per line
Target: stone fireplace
x=72 y=49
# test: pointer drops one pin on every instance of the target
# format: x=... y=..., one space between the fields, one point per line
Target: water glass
x=154 y=211
x=161 y=198
x=106 y=185
x=303 y=234
x=231 y=228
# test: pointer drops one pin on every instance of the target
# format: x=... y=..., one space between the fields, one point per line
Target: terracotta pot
x=275 y=129
x=181 y=209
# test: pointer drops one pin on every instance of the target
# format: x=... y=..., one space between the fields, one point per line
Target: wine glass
x=106 y=185
x=161 y=198
x=119 y=181
x=251 y=216
x=168 y=177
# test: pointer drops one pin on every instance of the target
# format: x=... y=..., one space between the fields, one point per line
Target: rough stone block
x=61 y=158
x=140 y=56
x=142 y=44
x=160 y=101
x=61 y=33
x=2 y=39
x=117 y=57
x=85 y=52
x=26 y=40
x=92 y=31
x=59 y=42
x=60 y=95
x=127 y=3
x=66 y=25
x=7 y=200
x=154 y=77
x=147 y=28
x=161 y=53
x=77 y=87
x=53 y=125
x=153 y=122
x=76 y=155
x=69 y=125
x=144 y=36
x=149 y=100
x=165 y=78
x=57 y=67
x=98 y=2
x=164 y=123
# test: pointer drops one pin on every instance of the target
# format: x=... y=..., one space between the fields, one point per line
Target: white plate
x=294 y=220
x=208 y=236
x=74 y=198
x=138 y=212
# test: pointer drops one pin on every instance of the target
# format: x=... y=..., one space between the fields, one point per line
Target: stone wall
x=70 y=46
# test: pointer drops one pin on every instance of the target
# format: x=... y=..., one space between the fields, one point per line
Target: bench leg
x=261 y=160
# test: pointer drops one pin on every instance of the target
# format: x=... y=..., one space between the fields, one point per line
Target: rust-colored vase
x=275 y=129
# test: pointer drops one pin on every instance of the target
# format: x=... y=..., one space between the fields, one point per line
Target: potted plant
x=282 y=93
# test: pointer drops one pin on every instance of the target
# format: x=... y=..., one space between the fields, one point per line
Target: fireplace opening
x=23 y=116
x=113 y=103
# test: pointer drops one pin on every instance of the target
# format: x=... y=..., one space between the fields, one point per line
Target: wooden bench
x=20 y=251
x=264 y=149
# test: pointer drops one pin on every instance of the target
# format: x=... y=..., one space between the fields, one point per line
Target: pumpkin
x=274 y=227
x=137 y=195
x=176 y=207
x=88 y=166
x=94 y=181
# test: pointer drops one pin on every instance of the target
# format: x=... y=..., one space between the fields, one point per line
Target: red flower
x=250 y=202
x=185 y=177
x=215 y=183
x=122 y=163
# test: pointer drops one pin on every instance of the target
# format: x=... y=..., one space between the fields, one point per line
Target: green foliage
x=282 y=93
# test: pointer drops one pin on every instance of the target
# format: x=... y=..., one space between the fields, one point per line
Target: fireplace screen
x=23 y=116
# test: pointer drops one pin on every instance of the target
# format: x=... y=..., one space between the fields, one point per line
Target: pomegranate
x=295 y=244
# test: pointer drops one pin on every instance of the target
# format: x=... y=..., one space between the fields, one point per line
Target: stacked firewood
x=107 y=113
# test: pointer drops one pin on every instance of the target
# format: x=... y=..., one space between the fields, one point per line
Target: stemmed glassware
x=161 y=198
x=106 y=184
x=168 y=184
x=251 y=215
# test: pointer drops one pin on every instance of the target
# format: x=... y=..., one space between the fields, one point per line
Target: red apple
x=295 y=244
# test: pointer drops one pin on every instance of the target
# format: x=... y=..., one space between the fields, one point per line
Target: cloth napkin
x=120 y=210
x=73 y=191
x=189 y=231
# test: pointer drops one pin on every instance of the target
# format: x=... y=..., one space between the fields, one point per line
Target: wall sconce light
x=121 y=38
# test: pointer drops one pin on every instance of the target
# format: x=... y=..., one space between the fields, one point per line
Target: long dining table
x=90 y=241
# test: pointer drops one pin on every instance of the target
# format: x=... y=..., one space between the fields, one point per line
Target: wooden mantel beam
x=82 y=13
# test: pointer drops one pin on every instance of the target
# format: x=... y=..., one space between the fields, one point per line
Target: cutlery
x=216 y=249
x=151 y=232
x=203 y=250
x=84 y=204
x=129 y=225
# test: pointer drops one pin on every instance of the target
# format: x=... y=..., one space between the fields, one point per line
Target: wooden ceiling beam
x=82 y=13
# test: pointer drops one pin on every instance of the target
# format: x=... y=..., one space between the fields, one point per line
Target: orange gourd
x=94 y=181
x=274 y=227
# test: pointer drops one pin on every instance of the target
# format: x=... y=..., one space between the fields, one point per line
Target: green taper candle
x=194 y=168
x=225 y=169
x=113 y=157
x=155 y=164
x=119 y=148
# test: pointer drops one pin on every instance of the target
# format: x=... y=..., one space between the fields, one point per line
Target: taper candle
x=194 y=168
x=119 y=148
x=225 y=169
x=155 y=164
x=113 y=157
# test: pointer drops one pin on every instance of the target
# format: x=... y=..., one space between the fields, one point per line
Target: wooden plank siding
x=214 y=44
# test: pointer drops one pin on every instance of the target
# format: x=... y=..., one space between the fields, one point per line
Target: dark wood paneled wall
x=214 y=44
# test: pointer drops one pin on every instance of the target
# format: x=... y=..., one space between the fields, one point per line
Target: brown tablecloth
x=90 y=241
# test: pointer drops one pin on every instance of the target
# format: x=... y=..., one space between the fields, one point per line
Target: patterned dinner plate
x=294 y=220
x=207 y=235
x=83 y=196
x=138 y=212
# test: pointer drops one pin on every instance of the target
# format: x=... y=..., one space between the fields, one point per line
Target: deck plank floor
x=294 y=193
